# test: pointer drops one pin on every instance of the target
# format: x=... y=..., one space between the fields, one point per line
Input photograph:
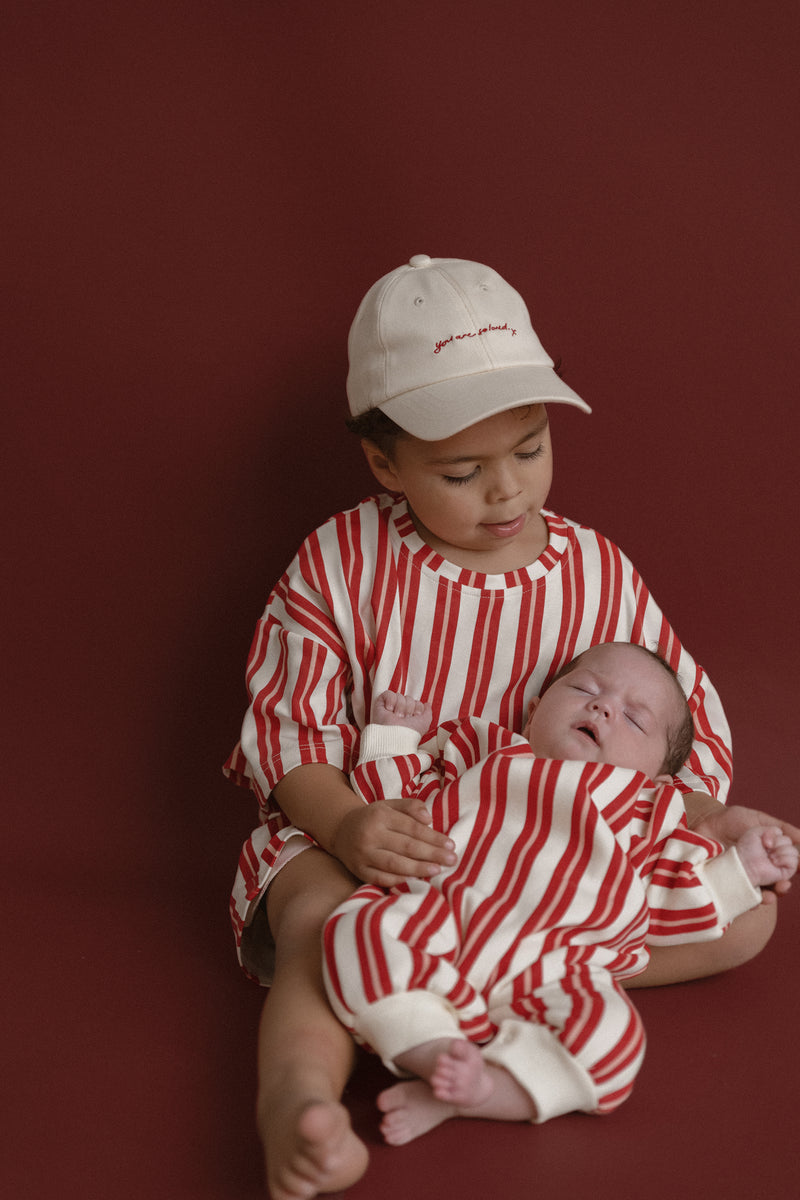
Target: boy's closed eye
x=527 y=455
x=522 y=456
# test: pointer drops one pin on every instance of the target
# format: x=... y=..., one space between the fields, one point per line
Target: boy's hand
x=767 y=855
x=389 y=841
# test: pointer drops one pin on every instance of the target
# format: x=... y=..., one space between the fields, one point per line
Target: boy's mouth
x=506 y=529
x=590 y=732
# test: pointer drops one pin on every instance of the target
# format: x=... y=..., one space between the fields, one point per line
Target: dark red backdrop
x=197 y=194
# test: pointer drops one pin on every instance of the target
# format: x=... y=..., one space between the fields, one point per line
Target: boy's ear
x=380 y=466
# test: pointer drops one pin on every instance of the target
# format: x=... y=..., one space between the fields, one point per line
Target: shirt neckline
x=430 y=562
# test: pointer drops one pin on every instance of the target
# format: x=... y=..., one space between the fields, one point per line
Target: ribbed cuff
x=395 y=1024
x=727 y=882
x=554 y=1080
x=387 y=741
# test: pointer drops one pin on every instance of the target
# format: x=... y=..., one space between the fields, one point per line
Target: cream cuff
x=387 y=741
x=531 y=1053
x=398 y=1023
x=554 y=1080
x=726 y=880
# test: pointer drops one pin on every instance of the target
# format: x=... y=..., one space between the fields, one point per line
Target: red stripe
x=609 y=592
x=572 y=608
x=511 y=712
x=482 y=655
x=444 y=631
x=495 y=909
x=622 y=1058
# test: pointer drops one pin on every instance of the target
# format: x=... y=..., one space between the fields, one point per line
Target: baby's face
x=617 y=706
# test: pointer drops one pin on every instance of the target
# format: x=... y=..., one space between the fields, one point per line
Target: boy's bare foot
x=315 y=1153
x=460 y=1076
x=409 y=1110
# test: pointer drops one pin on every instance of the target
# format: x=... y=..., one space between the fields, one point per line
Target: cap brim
x=442 y=409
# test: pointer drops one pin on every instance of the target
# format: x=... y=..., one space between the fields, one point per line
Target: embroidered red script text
x=457 y=337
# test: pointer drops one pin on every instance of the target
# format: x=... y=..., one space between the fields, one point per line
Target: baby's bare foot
x=409 y=1110
x=460 y=1077
x=316 y=1153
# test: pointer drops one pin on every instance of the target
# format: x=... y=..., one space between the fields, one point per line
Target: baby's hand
x=393 y=709
x=767 y=855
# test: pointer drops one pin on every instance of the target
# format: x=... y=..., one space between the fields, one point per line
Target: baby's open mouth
x=590 y=733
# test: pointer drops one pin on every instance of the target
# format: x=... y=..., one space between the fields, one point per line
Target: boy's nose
x=503 y=486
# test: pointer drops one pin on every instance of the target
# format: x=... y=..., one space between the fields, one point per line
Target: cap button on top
x=419 y=260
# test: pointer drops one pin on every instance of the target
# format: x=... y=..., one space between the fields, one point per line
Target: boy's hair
x=680 y=737
x=376 y=427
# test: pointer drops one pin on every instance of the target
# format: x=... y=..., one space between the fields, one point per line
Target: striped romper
x=563 y=870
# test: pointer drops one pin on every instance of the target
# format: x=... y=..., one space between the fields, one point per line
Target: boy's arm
x=384 y=842
x=742 y=940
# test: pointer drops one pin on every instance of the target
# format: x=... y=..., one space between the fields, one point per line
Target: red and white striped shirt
x=367 y=606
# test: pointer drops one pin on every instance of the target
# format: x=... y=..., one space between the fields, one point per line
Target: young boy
x=564 y=868
x=456 y=587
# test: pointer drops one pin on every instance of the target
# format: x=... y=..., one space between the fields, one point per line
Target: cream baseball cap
x=441 y=343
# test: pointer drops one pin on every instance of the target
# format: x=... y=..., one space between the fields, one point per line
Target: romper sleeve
x=394 y=761
x=390 y=763
x=694 y=887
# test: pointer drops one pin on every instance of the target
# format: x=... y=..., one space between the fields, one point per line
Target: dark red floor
x=129 y=1068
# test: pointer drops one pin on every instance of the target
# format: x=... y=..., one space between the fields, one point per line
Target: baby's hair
x=680 y=737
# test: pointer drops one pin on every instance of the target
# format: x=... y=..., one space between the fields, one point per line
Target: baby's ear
x=526 y=728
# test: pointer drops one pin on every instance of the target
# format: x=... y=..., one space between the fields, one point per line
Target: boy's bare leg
x=455 y=1082
x=304 y=1055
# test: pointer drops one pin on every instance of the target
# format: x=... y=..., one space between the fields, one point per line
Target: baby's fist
x=392 y=708
x=768 y=855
